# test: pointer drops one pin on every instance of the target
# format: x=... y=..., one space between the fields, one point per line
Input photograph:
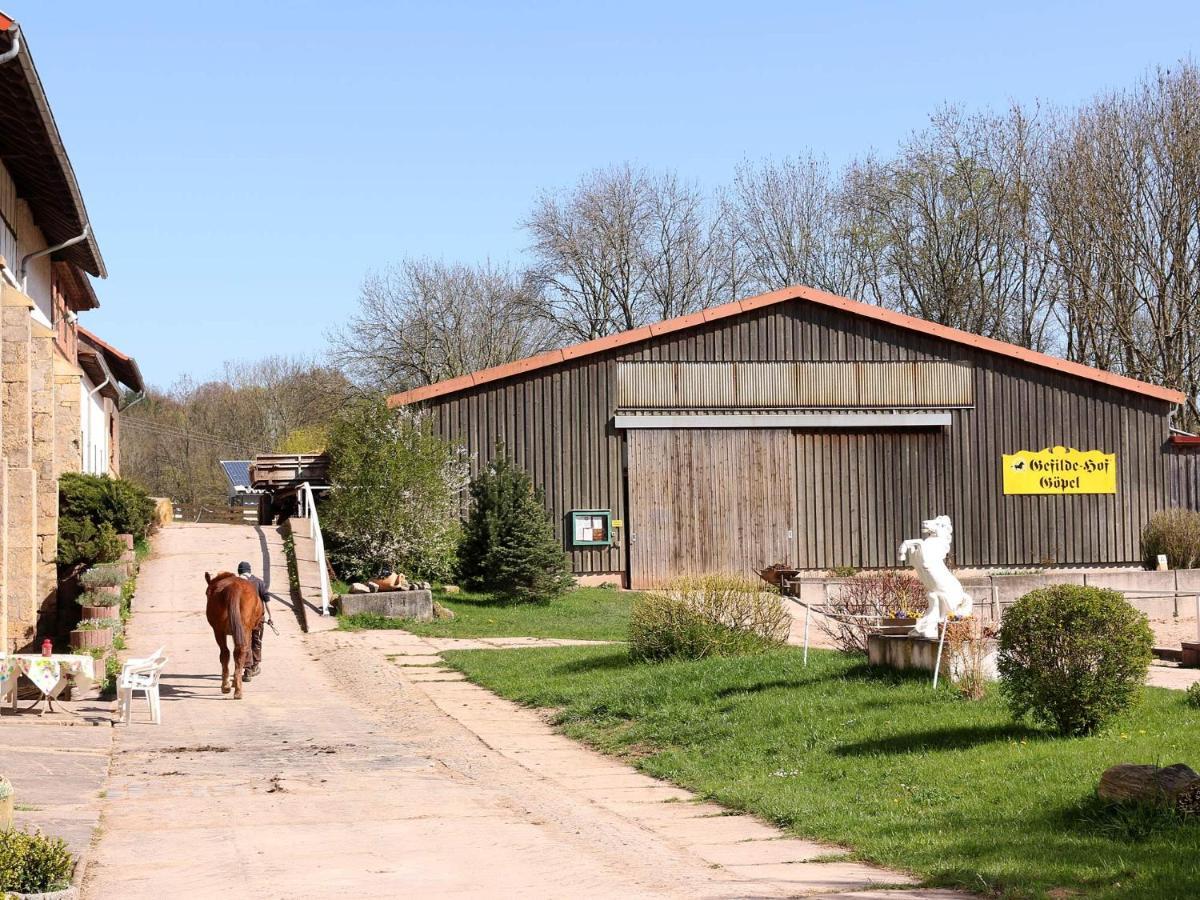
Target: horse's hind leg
x=239 y=666
x=224 y=663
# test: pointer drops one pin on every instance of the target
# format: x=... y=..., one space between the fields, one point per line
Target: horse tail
x=235 y=616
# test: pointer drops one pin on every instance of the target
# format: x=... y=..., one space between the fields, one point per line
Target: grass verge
x=585 y=614
x=950 y=789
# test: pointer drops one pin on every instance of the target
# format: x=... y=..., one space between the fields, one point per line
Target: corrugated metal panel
x=794 y=385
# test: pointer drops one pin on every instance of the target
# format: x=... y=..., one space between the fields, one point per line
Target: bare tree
x=789 y=220
x=424 y=321
x=951 y=229
x=1124 y=193
x=622 y=248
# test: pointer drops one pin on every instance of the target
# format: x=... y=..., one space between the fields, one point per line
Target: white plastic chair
x=140 y=675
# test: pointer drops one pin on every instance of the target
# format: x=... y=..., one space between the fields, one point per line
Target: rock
x=451 y=589
x=359 y=588
x=1174 y=786
x=442 y=612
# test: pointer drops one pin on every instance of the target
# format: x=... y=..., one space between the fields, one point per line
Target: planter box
x=92 y=639
x=1191 y=655
x=417 y=605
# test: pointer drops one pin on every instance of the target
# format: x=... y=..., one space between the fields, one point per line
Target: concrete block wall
x=1157 y=594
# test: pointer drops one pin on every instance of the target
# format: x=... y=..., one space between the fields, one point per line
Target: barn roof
x=797 y=293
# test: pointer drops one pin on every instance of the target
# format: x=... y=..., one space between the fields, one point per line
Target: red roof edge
x=797 y=292
x=130 y=374
x=1186 y=440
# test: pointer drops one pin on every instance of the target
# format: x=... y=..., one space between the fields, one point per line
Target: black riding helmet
x=243 y=568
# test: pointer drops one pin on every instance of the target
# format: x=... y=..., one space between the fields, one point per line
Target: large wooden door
x=709 y=500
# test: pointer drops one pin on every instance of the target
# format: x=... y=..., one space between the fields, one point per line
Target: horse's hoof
x=225 y=689
x=237 y=696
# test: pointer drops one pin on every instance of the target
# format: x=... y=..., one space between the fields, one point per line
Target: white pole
x=1198 y=617
x=807 y=616
x=937 y=665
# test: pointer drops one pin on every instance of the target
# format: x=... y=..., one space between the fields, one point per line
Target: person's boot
x=252 y=672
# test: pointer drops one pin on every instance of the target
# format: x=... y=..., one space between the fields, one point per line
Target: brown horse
x=233 y=609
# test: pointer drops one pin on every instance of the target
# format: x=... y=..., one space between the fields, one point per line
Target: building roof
x=797 y=293
x=123 y=366
x=76 y=287
x=32 y=150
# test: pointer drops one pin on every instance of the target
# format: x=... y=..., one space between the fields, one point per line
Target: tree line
x=173 y=439
x=1069 y=231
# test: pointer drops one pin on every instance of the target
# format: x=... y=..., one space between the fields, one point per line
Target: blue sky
x=245 y=165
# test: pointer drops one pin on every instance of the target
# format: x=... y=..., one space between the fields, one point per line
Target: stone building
x=47 y=253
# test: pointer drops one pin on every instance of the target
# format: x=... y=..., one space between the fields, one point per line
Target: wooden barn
x=809 y=429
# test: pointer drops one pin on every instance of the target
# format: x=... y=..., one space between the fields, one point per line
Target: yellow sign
x=1060 y=470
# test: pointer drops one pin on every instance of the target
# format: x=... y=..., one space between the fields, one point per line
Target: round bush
x=710 y=616
x=31 y=863
x=1073 y=657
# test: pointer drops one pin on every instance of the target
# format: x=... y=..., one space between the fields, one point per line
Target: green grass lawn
x=950 y=789
x=592 y=614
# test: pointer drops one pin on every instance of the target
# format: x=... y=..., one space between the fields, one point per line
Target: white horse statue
x=943 y=591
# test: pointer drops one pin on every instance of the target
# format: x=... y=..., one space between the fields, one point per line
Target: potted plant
x=35 y=867
x=105 y=579
x=92 y=634
x=97 y=605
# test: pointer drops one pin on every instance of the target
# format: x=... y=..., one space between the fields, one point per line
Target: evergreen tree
x=509 y=547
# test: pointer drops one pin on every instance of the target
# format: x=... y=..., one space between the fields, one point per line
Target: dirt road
x=344 y=773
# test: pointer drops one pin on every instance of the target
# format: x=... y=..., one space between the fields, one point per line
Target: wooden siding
x=1183 y=475
x=857 y=494
x=693 y=518
x=794 y=385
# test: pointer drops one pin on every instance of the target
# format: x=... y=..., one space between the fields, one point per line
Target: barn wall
x=857 y=493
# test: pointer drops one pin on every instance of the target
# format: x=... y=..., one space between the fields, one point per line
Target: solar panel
x=238 y=472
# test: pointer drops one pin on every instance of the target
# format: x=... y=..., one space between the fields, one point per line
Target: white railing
x=308 y=510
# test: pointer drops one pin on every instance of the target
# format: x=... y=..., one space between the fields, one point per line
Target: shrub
x=706 y=616
x=100 y=499
x=92 y=511
x=865 y=597
x=1174 y=533
x=509 y=547
x=32 y=863
x=1073 y=657
x=394 y=501
x=1192 y=695
x=103 y=576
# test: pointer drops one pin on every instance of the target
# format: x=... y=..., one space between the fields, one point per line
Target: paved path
x=346 y=772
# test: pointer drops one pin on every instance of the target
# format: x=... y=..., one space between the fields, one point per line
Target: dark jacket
x=260 y=584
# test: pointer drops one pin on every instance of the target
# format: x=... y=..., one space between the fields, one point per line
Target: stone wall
x=20 y=512
x=39 y=440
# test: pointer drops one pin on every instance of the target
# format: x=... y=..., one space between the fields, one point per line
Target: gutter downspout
x=16 y=45
x=23 y=269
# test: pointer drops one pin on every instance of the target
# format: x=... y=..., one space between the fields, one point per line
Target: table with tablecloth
x=51 y=674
